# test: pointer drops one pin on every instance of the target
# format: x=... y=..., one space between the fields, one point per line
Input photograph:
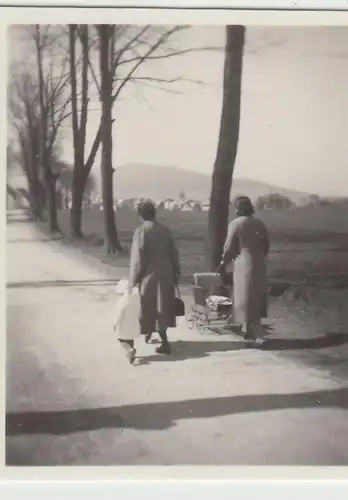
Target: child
x=127 y=326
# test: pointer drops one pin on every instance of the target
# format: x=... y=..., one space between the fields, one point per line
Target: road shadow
x=30 y=240
x=183 y=350
x=18 y=218
x=237 y=330
x=188 y=349
x=163 y=415
x=322 y=342
x=216 y=328
x=62 y=283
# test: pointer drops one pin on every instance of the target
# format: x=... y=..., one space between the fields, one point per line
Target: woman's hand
x=222 y=272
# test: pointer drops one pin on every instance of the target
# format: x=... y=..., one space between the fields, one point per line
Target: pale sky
x=294 y=123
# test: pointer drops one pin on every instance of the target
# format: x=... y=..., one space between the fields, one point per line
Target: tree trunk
x=81 y=170
x=48 y=177
x=76 y=188
x=111 y=241
x=29 y=164
x=77 y=191
x=227 y=144
x=51 y=202
x=34 y=199
x=34 y=185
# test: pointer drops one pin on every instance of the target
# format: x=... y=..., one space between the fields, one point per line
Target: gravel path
x=72 y=398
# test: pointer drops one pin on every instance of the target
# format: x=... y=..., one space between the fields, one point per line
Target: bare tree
x=123 y=51
x=111 y=241
x=24 y=118
x=53 y=107
x=65 y=182
x=82 y=166
x=48 y=176
x=38 y=106
x=227 y=143
x=23 y=111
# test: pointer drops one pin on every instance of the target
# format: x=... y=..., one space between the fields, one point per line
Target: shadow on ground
x=18 y=217
x=159 y=416
x=31 y=240
x=322 y=342
x=183 y=350
x=61 y=283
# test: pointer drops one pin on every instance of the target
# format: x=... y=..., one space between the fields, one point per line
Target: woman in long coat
x=247 y=245
x=155 y=268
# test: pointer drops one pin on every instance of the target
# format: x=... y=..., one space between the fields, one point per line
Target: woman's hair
x=243 y=206
x=147 y=210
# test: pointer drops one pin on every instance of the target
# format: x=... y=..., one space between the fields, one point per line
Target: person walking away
x=247 y=246
x=155 y=268
x=126 y=324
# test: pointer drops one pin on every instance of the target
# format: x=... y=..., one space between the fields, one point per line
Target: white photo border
x=252 y=483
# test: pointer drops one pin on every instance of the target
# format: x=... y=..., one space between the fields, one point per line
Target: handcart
x=213 y=307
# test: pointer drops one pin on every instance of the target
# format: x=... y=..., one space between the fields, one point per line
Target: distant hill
x=159 y=182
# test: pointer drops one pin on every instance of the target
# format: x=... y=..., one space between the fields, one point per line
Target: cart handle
x=213 y=285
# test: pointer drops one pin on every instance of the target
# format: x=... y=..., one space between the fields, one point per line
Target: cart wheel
x=190 y=320
x=198 y=321
x=201 y=323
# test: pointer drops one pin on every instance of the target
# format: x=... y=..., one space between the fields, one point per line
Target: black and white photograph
x=177 y=244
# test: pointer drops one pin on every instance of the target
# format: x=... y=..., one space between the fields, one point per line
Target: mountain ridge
x=158 y=182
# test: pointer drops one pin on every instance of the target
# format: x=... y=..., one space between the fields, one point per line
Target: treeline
x=72 y=65
x=50 y=93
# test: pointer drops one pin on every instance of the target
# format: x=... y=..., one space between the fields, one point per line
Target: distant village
x=272 y=201
x=93 y=201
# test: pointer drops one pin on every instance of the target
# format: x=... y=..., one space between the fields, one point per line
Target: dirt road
x=72 y=398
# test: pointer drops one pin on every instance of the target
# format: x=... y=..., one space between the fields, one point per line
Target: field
x=309 y=246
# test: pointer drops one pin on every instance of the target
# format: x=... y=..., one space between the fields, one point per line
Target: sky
x=294 y=115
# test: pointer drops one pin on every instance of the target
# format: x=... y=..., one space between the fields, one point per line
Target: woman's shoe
x=258 y=342
x=163 y=349
x=131 y=356
x=248 y=335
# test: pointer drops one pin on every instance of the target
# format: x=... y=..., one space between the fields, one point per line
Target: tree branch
x=84 y=95
x=169 y=54
x=157 y=87
x=162 y=39
x=127 y=47
x=73 y=86
x=93 y=152
x=165 y=80
x=93 y=73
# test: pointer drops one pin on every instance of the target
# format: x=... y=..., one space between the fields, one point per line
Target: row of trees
x=75 y=64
